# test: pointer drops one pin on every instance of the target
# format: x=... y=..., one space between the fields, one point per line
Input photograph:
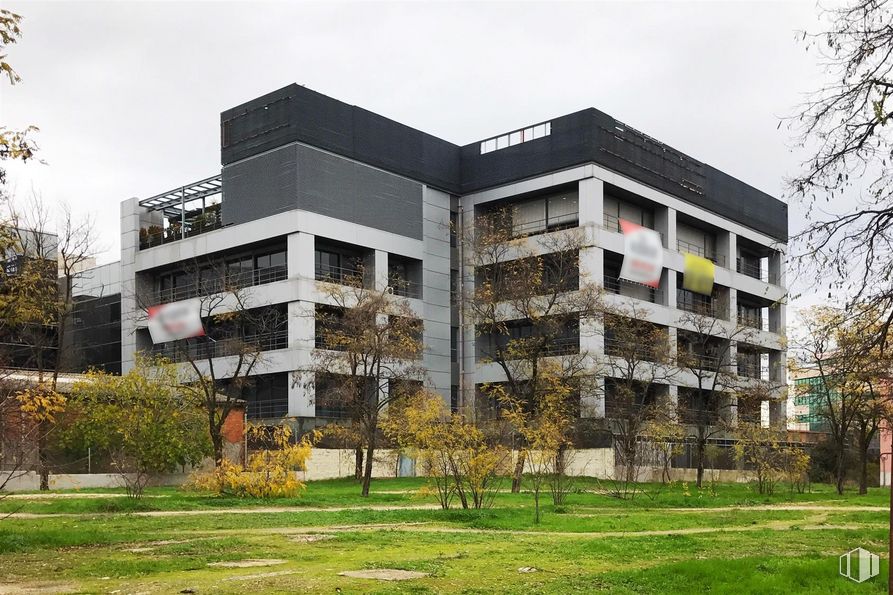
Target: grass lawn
x=677 y=540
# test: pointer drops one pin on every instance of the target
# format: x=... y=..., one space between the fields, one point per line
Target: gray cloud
x=128 y=95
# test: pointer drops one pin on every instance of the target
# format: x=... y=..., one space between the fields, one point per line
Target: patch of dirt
x=385 y=574
x=249 y=563
x=151 y=545
x=313 y=538
x=219 y=511
x=251 y=577
x=36 y=588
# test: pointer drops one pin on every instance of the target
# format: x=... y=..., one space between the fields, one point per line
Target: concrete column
x=301 y=249
x=733 y=305
x=380 y=270
x=592 y=202
x=729 y=410
x=301 y=399
x=670 y=233
x=592 y=402
x=673 y=338
x=133 y=217
x=673 y=399
x=668 y=282
x=726 y=248
x=777 y=268
x=302 y=339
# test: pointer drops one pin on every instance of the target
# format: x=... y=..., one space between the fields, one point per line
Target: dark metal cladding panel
x=569 y=144
x=299 y=177
x=739 y=202
x=295 y=113
x=333 y=186
x=261 y=186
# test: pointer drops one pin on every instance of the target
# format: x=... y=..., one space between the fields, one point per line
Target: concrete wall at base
x=332 y=463
x=30 y=481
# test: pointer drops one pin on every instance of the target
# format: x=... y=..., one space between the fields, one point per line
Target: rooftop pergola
x=174 y=202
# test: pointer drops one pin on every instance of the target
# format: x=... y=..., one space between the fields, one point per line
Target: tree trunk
x=536 y=500
x=863 y=468
x=358 y=463
x=519 y=472
x=367 y=474
x=840 y=471
x=217 y=441
x=702 y=444
x=42 y=466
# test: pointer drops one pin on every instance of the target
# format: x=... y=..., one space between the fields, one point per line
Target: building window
x=516 y=138
x=267 y=396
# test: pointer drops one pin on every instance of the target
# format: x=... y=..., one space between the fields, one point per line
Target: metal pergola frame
x=173 y=202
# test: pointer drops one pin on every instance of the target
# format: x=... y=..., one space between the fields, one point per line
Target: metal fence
x=226 y=282
x=205 y=348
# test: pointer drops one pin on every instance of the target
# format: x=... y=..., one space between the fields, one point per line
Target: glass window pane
x=563 y=209
x=529 y=217
x=263 y=262
x=277 y=259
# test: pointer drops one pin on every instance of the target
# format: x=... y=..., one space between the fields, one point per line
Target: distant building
x=806 y=401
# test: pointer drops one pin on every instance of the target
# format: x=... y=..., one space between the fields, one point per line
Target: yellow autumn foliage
x=40 y=403
x=270 y=472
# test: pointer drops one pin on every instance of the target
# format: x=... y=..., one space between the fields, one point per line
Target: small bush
x=270 y=473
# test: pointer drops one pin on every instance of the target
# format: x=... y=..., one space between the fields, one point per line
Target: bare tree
x=40 y=273
x=529 y=302
x=219 y=367
x=844 y=127
x=370 y=345
x=14 y=144
x=639 y=365
x=706 y=345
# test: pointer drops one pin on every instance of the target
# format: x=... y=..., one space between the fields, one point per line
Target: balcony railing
x=752 y=320
x=634 y=290
x=405 y=288
x=751 y=269
x=227 y=282
x=339 y=275
x=156 y=236
x=683 y=246
x=268 y=408
x=612 y=223
x=753 y=370
x=698 y=304
x=205 y=348
x=529 y=228
x=700 y=361
x=554 y=347
x=619 y=348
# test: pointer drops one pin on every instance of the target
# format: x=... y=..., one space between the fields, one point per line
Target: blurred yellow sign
x=698 y=274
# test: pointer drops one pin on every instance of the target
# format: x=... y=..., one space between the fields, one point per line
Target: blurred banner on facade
x=178 y=320
x=698 y=274
x=644 y=258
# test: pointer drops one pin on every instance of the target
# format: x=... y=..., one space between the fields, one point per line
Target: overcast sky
x=128 y=95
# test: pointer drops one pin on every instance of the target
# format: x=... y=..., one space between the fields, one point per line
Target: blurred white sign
x=644 y=257
x=179 y=320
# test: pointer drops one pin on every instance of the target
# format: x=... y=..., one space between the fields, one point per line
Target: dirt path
x=429 y=528
x=220 y=511
x=287 y=509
